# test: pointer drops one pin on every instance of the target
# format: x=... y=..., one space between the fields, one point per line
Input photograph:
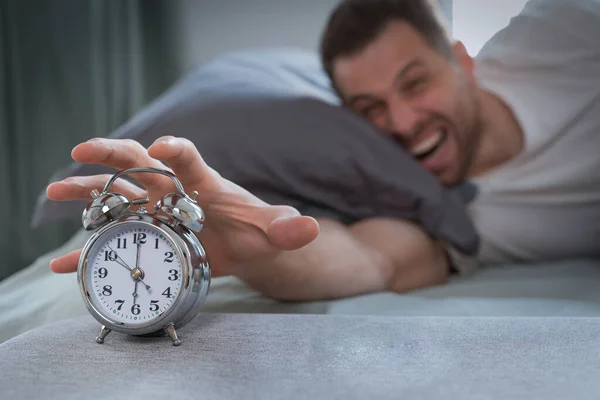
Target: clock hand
x=122 y=262
x=137 y=257
x=123 y=265
x=137 y=261
x=135 y=291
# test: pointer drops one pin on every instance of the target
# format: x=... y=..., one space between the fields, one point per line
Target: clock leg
x=170 y=329
x=103 y=332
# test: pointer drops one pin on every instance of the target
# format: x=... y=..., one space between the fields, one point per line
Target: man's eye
x=369 y=111
x=414 y=86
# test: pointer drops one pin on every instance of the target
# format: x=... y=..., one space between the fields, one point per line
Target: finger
x=66 y=263
x=292 y=233
x=122 y=154
x=286 y=228
x=185 y=160
x=79 y=188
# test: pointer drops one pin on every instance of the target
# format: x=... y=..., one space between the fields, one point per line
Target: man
x=524 y=128
x=522 y=122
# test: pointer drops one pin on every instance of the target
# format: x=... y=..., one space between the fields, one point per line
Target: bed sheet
x=35 y=296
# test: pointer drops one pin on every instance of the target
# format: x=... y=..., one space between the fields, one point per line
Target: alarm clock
x=143 y=273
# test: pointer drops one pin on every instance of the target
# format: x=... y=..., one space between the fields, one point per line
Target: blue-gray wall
x=206 y=28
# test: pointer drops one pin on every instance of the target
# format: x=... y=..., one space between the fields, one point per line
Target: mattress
x=571 y=288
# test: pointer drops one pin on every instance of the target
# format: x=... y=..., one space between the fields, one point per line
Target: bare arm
x=306 y=262
x=374 y=255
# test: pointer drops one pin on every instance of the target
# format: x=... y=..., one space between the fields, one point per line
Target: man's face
x=409 y=90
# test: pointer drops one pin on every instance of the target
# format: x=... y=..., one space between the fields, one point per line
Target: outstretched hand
x=240 y=228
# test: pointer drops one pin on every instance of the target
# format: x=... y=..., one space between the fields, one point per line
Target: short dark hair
x=354 y=24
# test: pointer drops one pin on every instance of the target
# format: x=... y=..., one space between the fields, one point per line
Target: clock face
x=133 y=273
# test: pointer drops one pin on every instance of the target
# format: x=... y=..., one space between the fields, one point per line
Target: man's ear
x=465 y=61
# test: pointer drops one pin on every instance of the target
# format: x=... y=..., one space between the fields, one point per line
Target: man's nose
x=402 y=117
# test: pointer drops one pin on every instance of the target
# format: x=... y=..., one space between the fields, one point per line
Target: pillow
x=269 y=121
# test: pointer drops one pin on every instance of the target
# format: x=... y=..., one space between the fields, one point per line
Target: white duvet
x=36 y=296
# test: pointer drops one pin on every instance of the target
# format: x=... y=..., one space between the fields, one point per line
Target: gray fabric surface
x=269 y=121
x=264 y=356
x=567 y=288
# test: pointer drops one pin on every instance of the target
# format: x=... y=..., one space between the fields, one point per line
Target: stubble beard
x=470 y=140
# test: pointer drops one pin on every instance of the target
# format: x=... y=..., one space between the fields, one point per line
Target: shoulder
x=544 y=64
x=548 y=32
x=550 y=42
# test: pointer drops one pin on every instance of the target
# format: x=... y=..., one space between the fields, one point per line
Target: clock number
x=169 y=256
x=119 y=243
x=167 y=293
x=174 y=275
x=107 y=290
x=102 y=272
x=120 y=304
x=156 y=243
x=139 y=238
x=110 y=256
x=153 y=305
x=135 y=309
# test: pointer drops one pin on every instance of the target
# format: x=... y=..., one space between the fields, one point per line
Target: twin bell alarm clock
x=143 y=273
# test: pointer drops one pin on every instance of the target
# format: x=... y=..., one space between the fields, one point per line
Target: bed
x=571 y=288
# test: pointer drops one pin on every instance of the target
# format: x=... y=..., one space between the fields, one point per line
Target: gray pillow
x=269 y=121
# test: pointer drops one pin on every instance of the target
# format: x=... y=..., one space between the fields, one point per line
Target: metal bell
x=103 y=208
x=183 y=210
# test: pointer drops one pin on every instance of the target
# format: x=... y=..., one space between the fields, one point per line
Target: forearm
x=416 y=260
x=334 y=265
x=368 y=257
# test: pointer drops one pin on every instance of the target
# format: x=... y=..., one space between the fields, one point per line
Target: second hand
x=124 y=264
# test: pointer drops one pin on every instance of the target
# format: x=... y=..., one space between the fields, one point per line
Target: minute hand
x=137 y=262
x=122 y=262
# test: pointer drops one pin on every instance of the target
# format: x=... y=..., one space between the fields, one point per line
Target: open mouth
x=428 y=147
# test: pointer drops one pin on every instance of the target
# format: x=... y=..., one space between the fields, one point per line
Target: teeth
x=427 y=144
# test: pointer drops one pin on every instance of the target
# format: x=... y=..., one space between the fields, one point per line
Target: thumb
x=66 y=263
x=292 y=233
